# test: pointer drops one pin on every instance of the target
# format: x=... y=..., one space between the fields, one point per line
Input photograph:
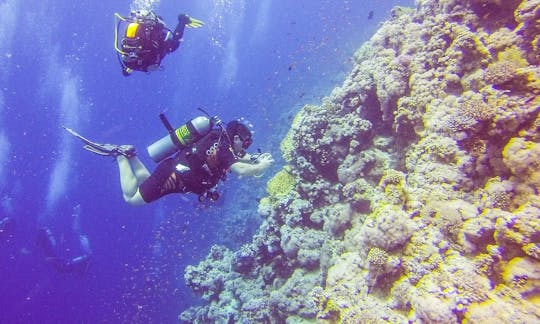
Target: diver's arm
x=172 y=43
x=256 y=168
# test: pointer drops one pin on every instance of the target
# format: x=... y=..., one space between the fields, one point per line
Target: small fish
x=370 y=15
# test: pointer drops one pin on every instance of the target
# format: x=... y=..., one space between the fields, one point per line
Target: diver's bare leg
x=141 y=172
x=129 y=181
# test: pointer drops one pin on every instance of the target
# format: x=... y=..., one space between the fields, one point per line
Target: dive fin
x=104 y=149
x=95 y=150
x=79 y=136
x=195 y=23
x=89 y=145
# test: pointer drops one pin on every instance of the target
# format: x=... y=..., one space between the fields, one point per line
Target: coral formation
x=281 y=183
x=410 y=194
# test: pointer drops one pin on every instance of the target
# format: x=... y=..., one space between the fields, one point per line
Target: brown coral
x=476 y=147
x=501 y=200
x=477 y=109
x=391 y=177
x=501 y=73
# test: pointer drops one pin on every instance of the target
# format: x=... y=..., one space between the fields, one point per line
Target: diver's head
x=240 y=135
x=141 y=13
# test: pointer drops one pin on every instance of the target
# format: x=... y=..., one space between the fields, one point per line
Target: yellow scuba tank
x=131 y=30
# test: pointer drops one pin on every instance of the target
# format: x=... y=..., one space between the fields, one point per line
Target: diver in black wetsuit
x=6 y=226
x=47 y=242
x=78 y=264
x=147 y=40
x=197 y=168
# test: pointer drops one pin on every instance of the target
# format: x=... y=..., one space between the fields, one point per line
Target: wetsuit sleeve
x=173 y=43
x=227 y=158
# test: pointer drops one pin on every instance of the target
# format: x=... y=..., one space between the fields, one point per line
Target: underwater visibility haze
x=405 y=185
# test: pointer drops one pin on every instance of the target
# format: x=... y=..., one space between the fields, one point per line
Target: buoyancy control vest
x=202 y=164
x=143 y=42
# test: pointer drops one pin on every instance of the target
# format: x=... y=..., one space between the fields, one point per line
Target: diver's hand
x=265 y=160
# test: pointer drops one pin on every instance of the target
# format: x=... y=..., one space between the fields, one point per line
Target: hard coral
x=522 y=157
x=208 y=277
x=477 y=109
x=527 y=15
x=501 y=73
x=505 y=305
x=388 y=228
x=516 y=232
x=281 y=183
x=523 y=274
x=506 y=72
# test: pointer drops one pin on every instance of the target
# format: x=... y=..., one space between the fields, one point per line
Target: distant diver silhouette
x=7 y=225
x=78 y=264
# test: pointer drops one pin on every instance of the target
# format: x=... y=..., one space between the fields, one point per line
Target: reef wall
x=411 y=192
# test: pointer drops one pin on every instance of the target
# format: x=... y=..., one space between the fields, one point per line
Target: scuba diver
x=7 y=229
x=204 y=151
x=47 y=242
x=6 y=226
x=147 y=40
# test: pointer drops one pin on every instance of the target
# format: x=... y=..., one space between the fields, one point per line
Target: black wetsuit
x=197 y=168
x=150 y=44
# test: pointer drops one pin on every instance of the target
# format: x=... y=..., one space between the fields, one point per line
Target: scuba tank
x=179 y=138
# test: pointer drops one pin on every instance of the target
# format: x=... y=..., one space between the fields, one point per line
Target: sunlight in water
x=8 y=14
x=5 y=148
x=225 y=22
x=69 y=107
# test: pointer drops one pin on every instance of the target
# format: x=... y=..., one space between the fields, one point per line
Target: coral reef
x=281 y=183
x=410 y=194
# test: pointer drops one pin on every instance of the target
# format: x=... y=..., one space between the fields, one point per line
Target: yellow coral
x=391 y=177
x=264 y=203
x=533 y=78
x=522 y=157
x=281 y=183
x=332 y=310
x=287 y=145
x=523 y=275
x=512 y=67
x=514 y=55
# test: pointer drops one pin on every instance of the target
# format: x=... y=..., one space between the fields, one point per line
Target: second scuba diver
x=204 y=151
x=147 y=40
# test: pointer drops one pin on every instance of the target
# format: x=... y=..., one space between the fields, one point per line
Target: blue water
x=261 y=60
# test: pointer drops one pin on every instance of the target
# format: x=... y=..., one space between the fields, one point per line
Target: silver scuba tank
x=178 y=139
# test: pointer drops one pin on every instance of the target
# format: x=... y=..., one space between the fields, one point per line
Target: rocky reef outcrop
x=411 y=193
